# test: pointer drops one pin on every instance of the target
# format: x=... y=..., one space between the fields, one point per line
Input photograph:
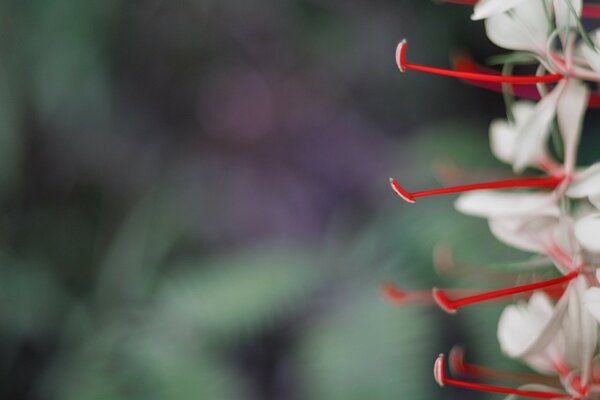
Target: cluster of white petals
x=552 y=211
x=552 y=335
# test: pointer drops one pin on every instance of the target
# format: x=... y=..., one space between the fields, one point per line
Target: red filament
x=466 y=64
x=547 y=182
x=522 y=80
x=452 y=305
x=440 y=376
x=459 y=366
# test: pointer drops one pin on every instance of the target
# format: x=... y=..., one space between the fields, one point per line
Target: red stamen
x=460 y=367
x=426 y=297
x=588 y=11
x=452 y=305
x=466 y=64
x=522 y=80
x=440 y=376
x=547 y=182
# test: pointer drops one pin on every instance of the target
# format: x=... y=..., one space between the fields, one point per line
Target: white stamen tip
x=401 y=55
x=438 y=370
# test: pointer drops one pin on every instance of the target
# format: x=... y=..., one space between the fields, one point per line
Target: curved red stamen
x=522 y=80
x=451 y=306
x=426 y=297
x=466 y=64
x=546 y=182
x=441 y=378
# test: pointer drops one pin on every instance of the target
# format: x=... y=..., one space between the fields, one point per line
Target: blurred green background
x=195 y=204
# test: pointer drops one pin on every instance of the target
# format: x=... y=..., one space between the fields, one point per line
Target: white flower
x=548 y=337
x=586 y=183
x=568 y=102
x=504 y=137
x=563 y=12
x=526 y=27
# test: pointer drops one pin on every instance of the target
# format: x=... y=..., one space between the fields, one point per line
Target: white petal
x=503 y=135
x=587 y=231
x=592 y=301
x=502 y=140
x=592 y=56
x=563 y=15
x=521 y=324
x=533 y=134
x=528 y=331
x=487 y=8
x=595 y=200
x=530 y=235
x=586 y=183
x=525 y=28
x=494 y=204
x=570 y=111
x=579 y=329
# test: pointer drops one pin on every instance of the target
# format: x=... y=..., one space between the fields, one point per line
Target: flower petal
x=586 y=183
x=592 y=301
x=571 y=108
x=587 y=231
x=592 y=56
x=495 y=204
x=564 y=16
x=595 y=200
x=525 y=28
x=533 y=134
x=502 y=140
x=487 y=8
x=580 y=330
x=532 y=235
x=528 y=330
x=503 y=135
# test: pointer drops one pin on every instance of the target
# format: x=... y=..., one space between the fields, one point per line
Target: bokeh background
x=195 y=203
